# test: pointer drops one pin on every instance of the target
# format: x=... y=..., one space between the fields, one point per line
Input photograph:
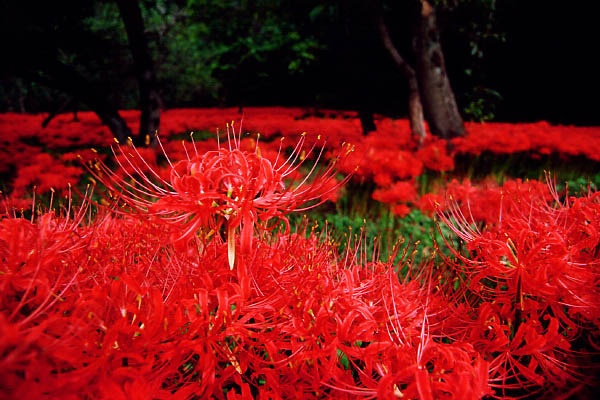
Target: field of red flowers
x=127 y=275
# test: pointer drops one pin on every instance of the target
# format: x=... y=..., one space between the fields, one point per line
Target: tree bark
x=415 y=108
x=439 y=103
x=367 y=121
x=144 y=66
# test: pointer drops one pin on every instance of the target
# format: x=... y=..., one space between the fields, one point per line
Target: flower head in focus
x=227 y=187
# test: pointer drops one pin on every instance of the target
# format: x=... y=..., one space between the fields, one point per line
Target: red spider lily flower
x=227 y=187
x=45 y=173
x=404 y=356
x=398 y=195
x=40 y=270
x=532 y=279
x=434 y=155
x=398 y=192
x=428 y=203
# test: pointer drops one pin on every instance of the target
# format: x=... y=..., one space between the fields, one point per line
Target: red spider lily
x=397 y=194
x=41 y=261
x=434 y=155
x=403 y=356
x=30 y=251
x=125 y=307
x=228 y=186
x=45 y=173
x=430 y=202
x=532 y=282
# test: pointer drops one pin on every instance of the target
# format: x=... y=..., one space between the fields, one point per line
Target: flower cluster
x=180 y=281
x=146 y=321
x=113 y=307
x=531 y=276
x=228 y=187
x=387 y=156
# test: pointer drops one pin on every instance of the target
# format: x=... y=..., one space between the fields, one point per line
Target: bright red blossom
x=532 y=288
x=227 y=186
x=140 y=301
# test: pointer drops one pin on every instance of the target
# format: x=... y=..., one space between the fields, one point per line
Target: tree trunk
x=438 y=99
x=367 y=121
x=415 y=108
x=149 y=96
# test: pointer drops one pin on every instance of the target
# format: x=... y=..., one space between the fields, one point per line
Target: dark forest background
x=507 y=60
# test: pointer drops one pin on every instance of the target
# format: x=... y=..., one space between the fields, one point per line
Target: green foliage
x=578 y=185
x=210 y=52
x=358 y=222
x=481 y=105
x=205 y=52
x=106 y=22
x=206 y=49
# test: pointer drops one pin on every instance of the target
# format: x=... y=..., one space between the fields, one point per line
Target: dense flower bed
x=49 y=158
x=184 y=280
